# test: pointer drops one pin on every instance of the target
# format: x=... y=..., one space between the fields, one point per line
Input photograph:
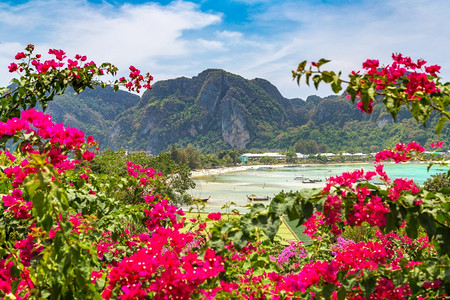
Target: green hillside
x=218 y=110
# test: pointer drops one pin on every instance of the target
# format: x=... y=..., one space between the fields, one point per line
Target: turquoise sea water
x=234 y=186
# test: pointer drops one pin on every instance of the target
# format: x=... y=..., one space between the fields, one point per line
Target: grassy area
x=298 y=231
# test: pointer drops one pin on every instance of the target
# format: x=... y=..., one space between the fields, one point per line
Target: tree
x=67 y=233
x=291 y=157
x=437 y=182
x=400 y=84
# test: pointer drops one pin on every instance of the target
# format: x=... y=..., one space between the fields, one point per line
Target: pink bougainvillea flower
x=215 y=216
x=12 y=67
x=437 y=144
x=20 y=55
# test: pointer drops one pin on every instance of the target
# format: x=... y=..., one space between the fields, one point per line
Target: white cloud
x=208 y=45
x=180 y=40
x=349 y=34
x=230 y=35
x=129 y=34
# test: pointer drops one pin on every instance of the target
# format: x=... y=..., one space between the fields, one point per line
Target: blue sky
x=251 y=38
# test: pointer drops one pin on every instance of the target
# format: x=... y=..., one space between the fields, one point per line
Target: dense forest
x=217 y=110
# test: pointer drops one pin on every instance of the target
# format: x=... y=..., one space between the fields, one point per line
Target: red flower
x=20 y=55
x=88 y=155
x=215 y=216
x=12 y=67
x=437 y=145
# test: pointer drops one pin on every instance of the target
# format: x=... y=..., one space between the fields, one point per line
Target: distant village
x=246 y=157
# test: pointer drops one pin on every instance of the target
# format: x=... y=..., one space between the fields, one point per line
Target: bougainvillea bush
x=67 y=233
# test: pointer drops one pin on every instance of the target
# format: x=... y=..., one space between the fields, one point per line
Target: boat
x=264 y=168
x=301 y=177
x=307 y=180
x=205 y=199
x=202 y=199
x=250 y=198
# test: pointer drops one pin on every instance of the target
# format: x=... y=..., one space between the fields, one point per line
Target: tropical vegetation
x=70 y=233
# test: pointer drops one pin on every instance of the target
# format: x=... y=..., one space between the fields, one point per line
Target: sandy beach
x=222 y=170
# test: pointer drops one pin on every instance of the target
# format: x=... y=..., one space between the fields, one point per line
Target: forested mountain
x=219 y=110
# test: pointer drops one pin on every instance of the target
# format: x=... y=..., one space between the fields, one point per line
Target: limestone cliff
x=214 y=107
x=217 y=110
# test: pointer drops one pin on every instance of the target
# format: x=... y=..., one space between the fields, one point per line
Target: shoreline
x=223 y=170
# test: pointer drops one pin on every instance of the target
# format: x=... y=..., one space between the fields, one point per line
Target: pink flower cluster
x=135 y=170
x=437 y=144
x=19 y=173
x=400 y=153
x=313 y=223
x=373 y=212
x=348 y=179
x=291 y=255
x=29 y=248
x=401 y=185
x=311 y=274
x=215 y=216
x=7 y=279
x=387 y=253
x=136 y=80
x=15 y=204
x=62 y=140
x=162 y=270
x=77 y=67
x=162 y=214
x=403 y=69
x=347 y=204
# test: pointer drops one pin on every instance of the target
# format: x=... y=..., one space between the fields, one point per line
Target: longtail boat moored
x=250 y=198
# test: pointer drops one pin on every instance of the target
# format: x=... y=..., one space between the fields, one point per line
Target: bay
x=235 y=186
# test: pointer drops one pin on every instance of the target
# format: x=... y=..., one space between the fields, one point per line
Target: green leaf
x=246 y=224
x=307 y=211
x=322 y=61
x=15 y=272
x=440 y=124
x=239 y=239
x=317 y=79
x=277 y=207
x=14 y=286
x=226 y=227
x=94 y=290
x=308 y=76
x=412 y=225
x=269 y=224
x=47 y=222
x=302 y=65
x=443 y=240
x=217 y=244
x=307 y=194
x=31 y=186
x=328 y=290
x=342 y=292
x=427 y=221
x=336 y=87
x=395 y=217
x=40 y=203
x=293 y=213
x=445 y=190
x=368 y=286
x=327 y=77
x=447 y=274
x=257 y=208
